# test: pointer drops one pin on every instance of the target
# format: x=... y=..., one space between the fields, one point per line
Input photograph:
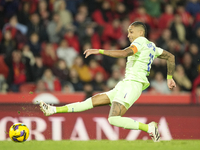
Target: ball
x=19 y=132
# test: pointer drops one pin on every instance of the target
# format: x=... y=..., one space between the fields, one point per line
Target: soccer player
x=141 y=54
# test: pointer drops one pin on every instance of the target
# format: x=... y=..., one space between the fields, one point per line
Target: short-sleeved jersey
x=138 y=65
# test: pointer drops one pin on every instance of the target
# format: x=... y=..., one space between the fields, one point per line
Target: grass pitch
x=102 y=145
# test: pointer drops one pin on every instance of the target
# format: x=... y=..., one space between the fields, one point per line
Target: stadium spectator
x=75 y=81
x=96 y=68
x=82 y=69
x=164 y=39
x=65 y=15
x=181 y=79
x=159 y=84
x=24 y=13
x=43 y=12
x=17 y=71
x=88 y=90
x=108 y=62
x=193 y=7
x=49 y=56
x=51 y=82
x=55 y=29
x=120 y=11
x=86 y=46
x=141 y=15
x=158 y=65
x=38 y=68
x=189 y=68
x=35 y=26
x=112 y=32
x=40 y=86
x=90 y=36
x=197 y=35
x=72 y=5
x=72 y=39
x=166 y=18
x=123 y=41
x=29 y=60
x=34 y=44
x=7 y=45
x=14 y=24
x=195 y=52
x=61 y=71
x=178 y=29
x=185 y=16
x=153 y=7
x=103 y=15
x=121 y=65
x=176 y=48
x=9 y=8
x=99 y=83
x=80 y=22
x=114 y=79
x=67 y=88
x=66 y=53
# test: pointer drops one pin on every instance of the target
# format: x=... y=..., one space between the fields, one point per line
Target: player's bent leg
x=115 y=118
x=117 y=110
x=97 y=100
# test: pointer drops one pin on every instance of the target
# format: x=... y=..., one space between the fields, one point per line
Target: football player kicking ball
x=141 y=54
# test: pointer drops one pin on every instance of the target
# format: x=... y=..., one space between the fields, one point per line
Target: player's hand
x=89 y=52
x=171 y=83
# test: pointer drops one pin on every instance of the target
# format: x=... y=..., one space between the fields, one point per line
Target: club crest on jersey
x=149 y=45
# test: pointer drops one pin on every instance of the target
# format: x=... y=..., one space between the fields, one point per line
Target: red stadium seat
x=27 y=87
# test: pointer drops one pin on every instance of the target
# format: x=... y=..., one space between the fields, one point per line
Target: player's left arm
x=170 y=67
x=113 y=53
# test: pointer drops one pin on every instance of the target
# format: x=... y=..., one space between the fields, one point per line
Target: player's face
x=134 y=32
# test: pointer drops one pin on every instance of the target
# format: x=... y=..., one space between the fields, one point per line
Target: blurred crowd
x=42 y=44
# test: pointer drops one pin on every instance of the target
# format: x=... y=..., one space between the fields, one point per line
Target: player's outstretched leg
x=153 y=131
x=47 y=109
x=97 y=100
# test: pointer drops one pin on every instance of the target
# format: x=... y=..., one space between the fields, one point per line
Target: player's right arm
x=113 y=53
x=170 y=67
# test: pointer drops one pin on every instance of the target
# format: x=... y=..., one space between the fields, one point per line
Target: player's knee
x=113 y=120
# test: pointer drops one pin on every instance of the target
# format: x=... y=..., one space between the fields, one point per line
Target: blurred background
x=41 y=58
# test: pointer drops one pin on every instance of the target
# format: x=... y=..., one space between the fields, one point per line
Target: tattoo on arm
x=129 y=51
x=170 y=61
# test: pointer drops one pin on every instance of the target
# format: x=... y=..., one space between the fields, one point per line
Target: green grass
x=102 y=145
